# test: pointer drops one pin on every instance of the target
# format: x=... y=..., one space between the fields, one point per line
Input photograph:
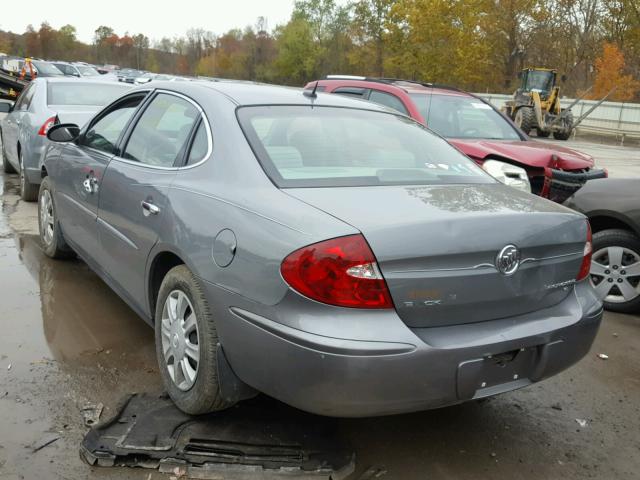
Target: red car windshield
x=455 y=116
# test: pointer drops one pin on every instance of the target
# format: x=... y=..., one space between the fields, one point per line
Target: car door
x=11 y=127
x=134 y=190
x=79 y=173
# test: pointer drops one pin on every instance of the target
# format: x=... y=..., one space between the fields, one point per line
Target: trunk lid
x=437 y=246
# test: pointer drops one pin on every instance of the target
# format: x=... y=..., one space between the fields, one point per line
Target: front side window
x=388 y=100
x=103 y=134
x=302 y=146
x=160 y=136
x=457 y=116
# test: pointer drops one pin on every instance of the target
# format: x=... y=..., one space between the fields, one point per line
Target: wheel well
x=161 y=265
x=600 y=223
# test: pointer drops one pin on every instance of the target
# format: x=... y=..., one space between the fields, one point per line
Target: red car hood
x=529 y=153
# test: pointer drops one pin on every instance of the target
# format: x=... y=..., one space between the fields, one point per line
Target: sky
x=156 y=19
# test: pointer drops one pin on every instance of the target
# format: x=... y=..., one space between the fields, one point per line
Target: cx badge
x=508 y=260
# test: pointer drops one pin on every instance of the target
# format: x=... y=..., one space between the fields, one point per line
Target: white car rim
x=46 y=217
x=615 y=274
x=180 y=340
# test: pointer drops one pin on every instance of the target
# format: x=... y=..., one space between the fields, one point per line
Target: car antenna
x=312 y=93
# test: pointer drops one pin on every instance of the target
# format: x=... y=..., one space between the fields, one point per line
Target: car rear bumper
x=441 y=366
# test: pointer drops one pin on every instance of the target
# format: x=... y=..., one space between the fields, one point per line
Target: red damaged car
x=479 y=130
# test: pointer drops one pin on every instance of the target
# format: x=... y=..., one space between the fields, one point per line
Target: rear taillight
x=47 y=125
x=586 y=258
x=342 y=271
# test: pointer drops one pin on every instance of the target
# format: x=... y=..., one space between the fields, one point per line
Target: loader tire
x=526 y=119
x=565 y=134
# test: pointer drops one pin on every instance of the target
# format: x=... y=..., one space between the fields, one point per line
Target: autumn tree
x=370 y=28
x=610 y=74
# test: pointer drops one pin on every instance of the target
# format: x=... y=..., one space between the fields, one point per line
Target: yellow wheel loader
x=536 y=105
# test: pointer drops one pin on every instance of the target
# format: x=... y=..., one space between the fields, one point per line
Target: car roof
x=407 y=86
x=244 y=93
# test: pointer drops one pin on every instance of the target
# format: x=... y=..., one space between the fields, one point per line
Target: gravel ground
x=67 y=340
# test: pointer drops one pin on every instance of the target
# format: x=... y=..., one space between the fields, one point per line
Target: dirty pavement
x=70 y=350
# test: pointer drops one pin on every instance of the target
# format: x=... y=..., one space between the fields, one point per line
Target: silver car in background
x=42 y=104
x=329 y=252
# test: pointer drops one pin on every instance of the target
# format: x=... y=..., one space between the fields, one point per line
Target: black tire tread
x=204 y=397
x=59 y=248
x=529 y=121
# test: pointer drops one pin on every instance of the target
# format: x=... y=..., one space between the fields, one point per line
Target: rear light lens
x=342 y=271
x=47 y=125
x=586 y=259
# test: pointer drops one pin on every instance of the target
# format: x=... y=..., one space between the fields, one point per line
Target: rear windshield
x=455 y=116
x=87 y=71
x=47 y=69
x=76 y=93
x=304 y=146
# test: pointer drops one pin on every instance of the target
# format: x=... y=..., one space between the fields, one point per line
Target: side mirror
x=76 y=74
x=63 y=133
x=6 y=107
x=563 y=78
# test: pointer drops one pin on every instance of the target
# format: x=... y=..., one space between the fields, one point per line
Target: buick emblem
x=508 y=260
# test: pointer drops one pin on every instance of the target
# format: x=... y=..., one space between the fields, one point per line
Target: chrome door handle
x=149 y=208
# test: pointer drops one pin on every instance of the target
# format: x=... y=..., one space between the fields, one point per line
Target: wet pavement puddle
x=67 y=340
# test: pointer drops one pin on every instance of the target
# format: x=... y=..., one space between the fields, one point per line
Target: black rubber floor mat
x=258 y=439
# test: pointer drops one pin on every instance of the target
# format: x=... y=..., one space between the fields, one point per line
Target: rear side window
x=160 y=136
x=388 y=100
x=25 y=98
x=200 y=145
x=303 y=146
x=78 y=93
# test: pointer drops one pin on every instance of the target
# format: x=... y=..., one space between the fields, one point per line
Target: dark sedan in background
x=613 y=208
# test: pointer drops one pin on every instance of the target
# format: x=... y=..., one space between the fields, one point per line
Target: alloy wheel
x=180 y=340
x=46 y=217
x=615 y=274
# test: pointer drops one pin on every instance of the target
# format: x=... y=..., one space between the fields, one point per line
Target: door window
x=103 y=134
x=388 y=100
x=160 y=136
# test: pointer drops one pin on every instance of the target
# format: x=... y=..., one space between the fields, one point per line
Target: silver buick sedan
x=328 y=252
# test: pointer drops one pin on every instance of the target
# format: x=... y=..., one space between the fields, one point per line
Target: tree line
x=477 y=45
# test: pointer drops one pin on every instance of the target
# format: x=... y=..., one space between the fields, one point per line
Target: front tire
x=615 y=270
x=51 y=237
x=565 y=134
x=186 y=344
x=28 y=191
x=526 y=119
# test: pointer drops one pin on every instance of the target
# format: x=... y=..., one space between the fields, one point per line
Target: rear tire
x=6 y=166
x=526 y=119
x=51 y=237
x=630 y=243
x=182 y=333
x=28 y=191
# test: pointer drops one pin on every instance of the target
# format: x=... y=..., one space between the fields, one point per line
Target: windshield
x=87 y=71
x=47 y=69
x=302 y=146
x=455 y=116
x=539 y=81
x=77 y=93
